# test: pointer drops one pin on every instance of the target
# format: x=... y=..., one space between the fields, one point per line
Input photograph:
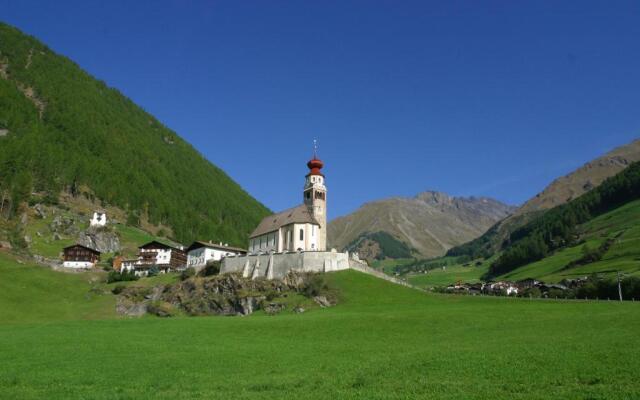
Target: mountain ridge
x=561 y=190
x=584 y=178
x=429 y=222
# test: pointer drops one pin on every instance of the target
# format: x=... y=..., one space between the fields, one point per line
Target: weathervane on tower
x=315 y=148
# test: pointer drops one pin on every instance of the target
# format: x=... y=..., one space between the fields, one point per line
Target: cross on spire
x=315 y=148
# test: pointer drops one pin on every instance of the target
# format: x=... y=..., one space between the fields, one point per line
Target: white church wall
x=264 y=243
x=282 y=263
x=198 y=258
x=288 y=238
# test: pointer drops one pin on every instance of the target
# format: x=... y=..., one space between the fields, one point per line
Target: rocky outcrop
x=322 y=301
x=49 y=262
x=130 y=308
x=63 y=225
x=102 y=239
x=227 y=294
x=40 y=211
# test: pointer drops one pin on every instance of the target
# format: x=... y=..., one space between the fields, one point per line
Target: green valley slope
x=560 y=191
x=61 y=130
x=620 y=224
x=30 y=293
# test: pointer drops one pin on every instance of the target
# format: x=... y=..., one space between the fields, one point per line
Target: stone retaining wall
x=277 y=265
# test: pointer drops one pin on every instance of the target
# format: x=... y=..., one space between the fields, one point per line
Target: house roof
x=198 y=244
x=84 y=247
x=154 y=244
x=301 y=214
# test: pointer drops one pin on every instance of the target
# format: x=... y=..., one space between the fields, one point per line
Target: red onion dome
x=315 y=166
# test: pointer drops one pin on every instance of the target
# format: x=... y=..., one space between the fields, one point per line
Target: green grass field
x=31 y=293
x=59 y=341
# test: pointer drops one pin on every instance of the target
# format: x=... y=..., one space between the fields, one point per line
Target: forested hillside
x=61 y=129
x=557 y=227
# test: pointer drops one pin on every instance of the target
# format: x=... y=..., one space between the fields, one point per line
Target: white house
x=200 y=253
x=128 y=265
x=302 y=228
x=164 y=257
x=98 y=219
x=508 y=287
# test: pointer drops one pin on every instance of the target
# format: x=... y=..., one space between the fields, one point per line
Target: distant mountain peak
x=429 y=223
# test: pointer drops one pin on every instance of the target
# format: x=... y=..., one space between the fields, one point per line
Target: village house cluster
x=161 y=256
x=507 y=288
x=167 y=258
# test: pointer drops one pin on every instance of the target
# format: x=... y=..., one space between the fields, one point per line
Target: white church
x=294 y=239
x=301 y=228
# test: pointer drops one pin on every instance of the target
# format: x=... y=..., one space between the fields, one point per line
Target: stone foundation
x=277 y=265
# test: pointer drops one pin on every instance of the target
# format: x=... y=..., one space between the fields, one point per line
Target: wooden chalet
x=79 y=256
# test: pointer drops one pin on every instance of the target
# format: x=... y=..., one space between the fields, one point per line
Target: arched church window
x=301 y=234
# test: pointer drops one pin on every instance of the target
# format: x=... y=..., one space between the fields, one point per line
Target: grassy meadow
x=60 y=340
x=30 y=293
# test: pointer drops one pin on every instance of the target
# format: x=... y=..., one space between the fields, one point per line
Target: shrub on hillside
x=187 y=273
x=316 y=286
x=153 y=271
x=118 y=289
x=212 y=268
x=533 y=292
x=590 y=255
x=115 y=276
x=16 y=236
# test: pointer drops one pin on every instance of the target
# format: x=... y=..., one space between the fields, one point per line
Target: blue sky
x=471 y=98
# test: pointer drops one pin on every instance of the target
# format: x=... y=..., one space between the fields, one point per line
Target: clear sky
x=471 y=98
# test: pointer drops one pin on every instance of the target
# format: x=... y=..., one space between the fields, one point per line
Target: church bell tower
x=315 y=196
